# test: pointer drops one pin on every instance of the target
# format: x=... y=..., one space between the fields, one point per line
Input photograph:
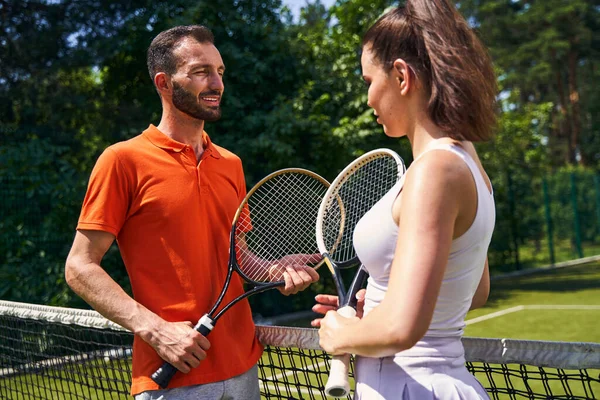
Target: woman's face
x=384 y=95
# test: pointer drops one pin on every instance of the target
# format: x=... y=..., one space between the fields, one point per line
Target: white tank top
x=375 y=238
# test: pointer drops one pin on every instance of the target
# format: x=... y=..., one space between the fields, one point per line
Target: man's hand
x=178 y=343
x=327 y=302
x=293 y=269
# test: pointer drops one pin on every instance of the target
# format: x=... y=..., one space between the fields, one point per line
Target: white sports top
x=375 y=239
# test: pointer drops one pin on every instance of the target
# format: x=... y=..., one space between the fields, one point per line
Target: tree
x=546 y=50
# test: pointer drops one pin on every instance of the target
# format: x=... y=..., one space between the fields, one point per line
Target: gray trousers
x=241 y=387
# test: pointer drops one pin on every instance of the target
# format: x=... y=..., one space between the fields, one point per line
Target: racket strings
x=284 y=246
x=296 y=214
x=363 y=186
x=276 y=227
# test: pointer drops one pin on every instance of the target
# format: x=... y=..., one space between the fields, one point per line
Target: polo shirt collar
x=163 y=141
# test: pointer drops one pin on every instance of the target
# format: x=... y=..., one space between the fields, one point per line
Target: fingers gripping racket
x=353 y=192
x=273 y=228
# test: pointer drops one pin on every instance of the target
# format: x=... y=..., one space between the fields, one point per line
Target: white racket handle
x=337 y=383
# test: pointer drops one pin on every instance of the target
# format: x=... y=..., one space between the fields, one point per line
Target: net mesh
x=58 y=353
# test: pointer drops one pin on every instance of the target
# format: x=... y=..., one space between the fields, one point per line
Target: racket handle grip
x=163 y=375
x=337 y=383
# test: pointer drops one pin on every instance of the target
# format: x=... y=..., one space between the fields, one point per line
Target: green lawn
x=532 y=256
x=557 y=305
x=570 y=286
x=95 y=380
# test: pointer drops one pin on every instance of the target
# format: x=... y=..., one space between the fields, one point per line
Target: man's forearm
x=100 y=291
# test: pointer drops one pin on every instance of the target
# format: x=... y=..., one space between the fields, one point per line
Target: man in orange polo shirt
x=168 y=196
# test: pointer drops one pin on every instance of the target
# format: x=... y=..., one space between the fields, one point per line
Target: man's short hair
x=160 y=57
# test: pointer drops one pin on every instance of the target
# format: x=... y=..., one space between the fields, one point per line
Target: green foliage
x=42 y=193
x=73 y=80
x=547 y=50
x=583 y=184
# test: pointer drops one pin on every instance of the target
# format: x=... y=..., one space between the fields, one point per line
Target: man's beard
x=187 y=103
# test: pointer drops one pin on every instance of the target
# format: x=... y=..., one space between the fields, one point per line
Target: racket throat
x=337 y=280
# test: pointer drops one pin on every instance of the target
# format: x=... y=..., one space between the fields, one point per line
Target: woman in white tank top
x=425 y=243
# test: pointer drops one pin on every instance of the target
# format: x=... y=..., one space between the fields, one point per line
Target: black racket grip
x=163 y=375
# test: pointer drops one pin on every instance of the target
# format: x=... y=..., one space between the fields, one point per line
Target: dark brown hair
x=448 y=59
x=160 y=57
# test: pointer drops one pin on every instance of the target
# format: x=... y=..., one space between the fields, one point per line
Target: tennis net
x=60 y=353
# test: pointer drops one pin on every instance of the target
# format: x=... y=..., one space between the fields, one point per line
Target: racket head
x=274 y=225
x=353 y=192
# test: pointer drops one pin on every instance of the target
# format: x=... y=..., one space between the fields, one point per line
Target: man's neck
x=185 y=130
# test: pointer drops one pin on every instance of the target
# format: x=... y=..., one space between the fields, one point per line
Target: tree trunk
x=575 y=106
x=564 y=129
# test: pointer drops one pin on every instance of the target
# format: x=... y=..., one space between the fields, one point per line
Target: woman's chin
x=391 y=133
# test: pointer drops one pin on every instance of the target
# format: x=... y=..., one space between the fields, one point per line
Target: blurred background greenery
x=73 y=80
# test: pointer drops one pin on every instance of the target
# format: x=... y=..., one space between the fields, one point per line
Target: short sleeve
x=241 y=183
x=244 y=223
x=107 y=198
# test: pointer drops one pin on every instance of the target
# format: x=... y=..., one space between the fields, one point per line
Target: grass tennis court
x=561 y=305
x=77 y=378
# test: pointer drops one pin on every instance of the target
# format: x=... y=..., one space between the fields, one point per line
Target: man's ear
x=402 y=75
x=162 y=83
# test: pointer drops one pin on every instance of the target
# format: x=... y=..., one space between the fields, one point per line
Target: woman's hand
x=327 y=302
x=331 y=330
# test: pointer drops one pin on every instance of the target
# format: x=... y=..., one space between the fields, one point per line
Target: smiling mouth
x=212 y=100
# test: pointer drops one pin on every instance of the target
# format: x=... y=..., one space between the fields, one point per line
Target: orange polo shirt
x=171 y=217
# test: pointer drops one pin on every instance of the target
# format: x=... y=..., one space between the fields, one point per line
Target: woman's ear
x=402 y=75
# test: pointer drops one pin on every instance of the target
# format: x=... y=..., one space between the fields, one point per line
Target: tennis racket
x=272 y=228
x=353 y=192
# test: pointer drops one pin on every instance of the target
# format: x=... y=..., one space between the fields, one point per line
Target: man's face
x=198 y=82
